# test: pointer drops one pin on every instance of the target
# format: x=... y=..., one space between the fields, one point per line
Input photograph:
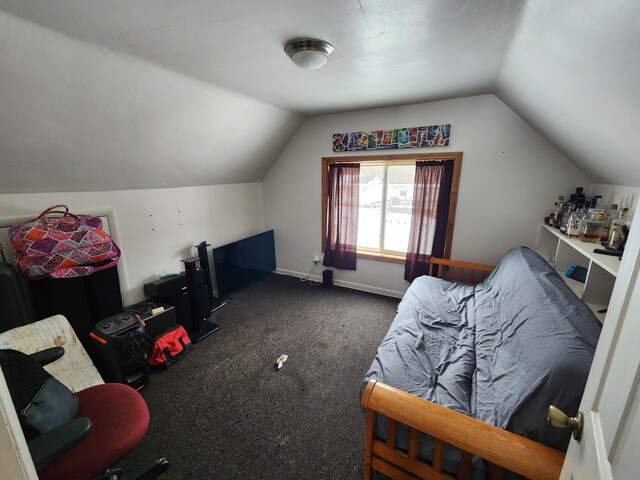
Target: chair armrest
x=75 y=369
x=45 y=357
x=49 y=446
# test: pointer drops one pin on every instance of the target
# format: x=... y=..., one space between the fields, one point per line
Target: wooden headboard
x=456 y=271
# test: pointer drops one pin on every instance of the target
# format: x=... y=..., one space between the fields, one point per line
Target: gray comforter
x=501 y=351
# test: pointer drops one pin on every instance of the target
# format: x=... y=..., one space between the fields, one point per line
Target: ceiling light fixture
x=309 y=53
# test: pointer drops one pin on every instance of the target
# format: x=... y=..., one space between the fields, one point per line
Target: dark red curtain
x=429 y=216
x=342 y=216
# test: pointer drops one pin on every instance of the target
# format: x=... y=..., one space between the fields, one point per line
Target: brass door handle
x=557 y=418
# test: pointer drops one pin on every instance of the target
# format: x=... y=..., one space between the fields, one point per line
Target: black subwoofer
x=327 y=278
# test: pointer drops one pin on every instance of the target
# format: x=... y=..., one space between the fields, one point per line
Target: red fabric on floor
x=120 y=419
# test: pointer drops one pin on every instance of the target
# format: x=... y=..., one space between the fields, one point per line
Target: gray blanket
x=501 y=351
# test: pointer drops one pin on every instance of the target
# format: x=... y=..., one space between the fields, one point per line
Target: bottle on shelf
x=570 y=208
x=573 y=205
x=575 y=221
x=609 y=216
x=616 y=232
x=591 y=228
x=558 y=212
x=551 y=215
x=548 y=217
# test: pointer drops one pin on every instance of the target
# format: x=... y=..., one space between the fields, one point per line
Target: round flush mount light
x=309 y=53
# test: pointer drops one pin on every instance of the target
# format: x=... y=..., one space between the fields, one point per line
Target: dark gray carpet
x=224 y=411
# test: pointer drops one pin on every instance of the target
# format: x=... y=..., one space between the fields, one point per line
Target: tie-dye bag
x=60 y=244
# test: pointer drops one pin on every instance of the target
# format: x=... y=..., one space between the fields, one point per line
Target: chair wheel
x=112 y=474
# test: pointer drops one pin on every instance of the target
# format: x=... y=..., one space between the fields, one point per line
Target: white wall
x=622 y=195
x=572 y=71
x=14 y=453
x=157 y=228
x=510 y=178
x=79 y=117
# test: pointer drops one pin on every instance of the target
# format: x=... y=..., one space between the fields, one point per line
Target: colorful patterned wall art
x=413 y=137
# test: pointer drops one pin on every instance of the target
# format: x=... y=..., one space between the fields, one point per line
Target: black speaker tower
x=215 y=303
x=191 y=294
x=199 y=303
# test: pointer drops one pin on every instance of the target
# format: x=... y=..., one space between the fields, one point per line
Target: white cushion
x=75 y=369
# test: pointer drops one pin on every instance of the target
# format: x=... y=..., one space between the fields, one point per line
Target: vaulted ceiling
x=571 y=69
x=387 y=53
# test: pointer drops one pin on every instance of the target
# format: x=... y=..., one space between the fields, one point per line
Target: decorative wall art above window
x=413 y=137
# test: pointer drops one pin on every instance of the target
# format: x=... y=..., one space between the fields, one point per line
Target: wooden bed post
x=368 y=445
x=370 y=432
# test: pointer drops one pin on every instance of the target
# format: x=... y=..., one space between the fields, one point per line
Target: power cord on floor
x=307 y=278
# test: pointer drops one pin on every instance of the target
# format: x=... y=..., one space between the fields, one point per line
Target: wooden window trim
x=398 y=159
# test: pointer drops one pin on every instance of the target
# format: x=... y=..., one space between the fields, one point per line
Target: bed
x=473 y=361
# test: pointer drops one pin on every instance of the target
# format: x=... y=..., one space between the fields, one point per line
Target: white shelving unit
x=562 y=252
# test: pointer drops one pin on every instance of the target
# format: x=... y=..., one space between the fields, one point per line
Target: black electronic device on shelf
x=191 y=295
x=577 y=272
x=242 y=262
x=214 y=303
x=172 y=291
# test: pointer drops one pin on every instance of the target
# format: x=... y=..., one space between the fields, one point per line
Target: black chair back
x=15 y=306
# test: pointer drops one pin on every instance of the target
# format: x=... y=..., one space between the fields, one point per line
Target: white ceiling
x=570 y=68
x=386 y=52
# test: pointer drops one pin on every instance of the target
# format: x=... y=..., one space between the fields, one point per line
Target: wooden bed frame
x=502 y=449
x=456 y=271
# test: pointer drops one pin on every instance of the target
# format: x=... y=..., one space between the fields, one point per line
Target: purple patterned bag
x=62 y=246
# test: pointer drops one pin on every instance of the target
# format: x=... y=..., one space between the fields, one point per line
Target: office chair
x=15 y=307
x=111 y=419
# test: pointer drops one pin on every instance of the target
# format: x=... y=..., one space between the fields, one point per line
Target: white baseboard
x=342 y=283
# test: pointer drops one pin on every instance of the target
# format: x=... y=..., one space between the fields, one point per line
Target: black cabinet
x=84 y=301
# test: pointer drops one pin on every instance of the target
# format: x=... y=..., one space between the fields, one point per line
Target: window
x=385 y=202
x=384 y=219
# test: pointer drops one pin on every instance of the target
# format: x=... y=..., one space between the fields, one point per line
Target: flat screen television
x=244 y=261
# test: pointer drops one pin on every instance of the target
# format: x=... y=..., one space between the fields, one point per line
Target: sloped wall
x=572 y=71
x=79 y=117
x=159 y=227
x=623 y=196
x=510 y=178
